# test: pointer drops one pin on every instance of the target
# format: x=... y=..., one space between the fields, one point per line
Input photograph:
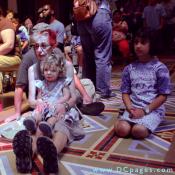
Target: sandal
x=22 y=148
x=48 y=152
x=45 y=128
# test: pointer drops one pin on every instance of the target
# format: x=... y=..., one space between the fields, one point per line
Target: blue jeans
x=96 y=39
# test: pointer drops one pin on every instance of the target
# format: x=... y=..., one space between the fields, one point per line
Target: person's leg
x=139 y=131
x=22 y=147
x=60 y=140
x=17 y=103
x=86 y=102
x=25 y=149
x=31 y=122
x=102 y=41
x=89 y=67
x=122 y=128
x=46 y=127
x=79 y=50
x=81 y=93
x=49 y=150
x=51 y=121
x=89 y=88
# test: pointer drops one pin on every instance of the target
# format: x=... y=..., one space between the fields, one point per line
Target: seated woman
x=85 y=90
x=26 y=145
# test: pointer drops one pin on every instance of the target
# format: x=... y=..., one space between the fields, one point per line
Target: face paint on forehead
x=41 y=39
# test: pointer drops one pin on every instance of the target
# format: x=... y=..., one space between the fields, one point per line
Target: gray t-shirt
x=152 y=15
x=28 y=60
x=58 y=27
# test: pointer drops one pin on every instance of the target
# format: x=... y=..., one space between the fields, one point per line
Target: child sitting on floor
x=145 y=86
x=52 y=91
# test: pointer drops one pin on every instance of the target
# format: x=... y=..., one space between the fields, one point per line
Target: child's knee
x=139 y=132
x=122 y=128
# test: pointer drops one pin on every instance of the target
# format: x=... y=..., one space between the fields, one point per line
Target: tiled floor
x=102 y=153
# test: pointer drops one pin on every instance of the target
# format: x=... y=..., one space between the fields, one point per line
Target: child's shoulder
x=157 y=64
x=128 y=68
x=133 y=64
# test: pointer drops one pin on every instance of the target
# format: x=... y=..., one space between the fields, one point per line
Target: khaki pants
x=9 y=63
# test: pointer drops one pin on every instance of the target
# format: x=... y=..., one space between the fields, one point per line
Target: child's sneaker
x=45 y=128
x=30 y=125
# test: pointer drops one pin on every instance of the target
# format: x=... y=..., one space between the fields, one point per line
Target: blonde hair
x=54 y=60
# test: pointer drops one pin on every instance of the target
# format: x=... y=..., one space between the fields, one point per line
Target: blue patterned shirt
x=145 y=81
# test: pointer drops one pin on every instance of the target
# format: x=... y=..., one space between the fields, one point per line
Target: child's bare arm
x=32 y=88
x=127 y=102
x=157 y=102
x=66 y=96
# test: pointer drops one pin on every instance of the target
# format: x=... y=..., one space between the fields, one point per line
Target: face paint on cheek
x=42 y=47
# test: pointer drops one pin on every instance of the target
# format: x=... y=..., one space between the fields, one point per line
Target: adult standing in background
x=96 y=39
x=169 y=28
x=57 y=26
x=154 y=20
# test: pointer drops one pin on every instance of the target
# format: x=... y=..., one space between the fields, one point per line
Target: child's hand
x=60 y=110
x=137 y=113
